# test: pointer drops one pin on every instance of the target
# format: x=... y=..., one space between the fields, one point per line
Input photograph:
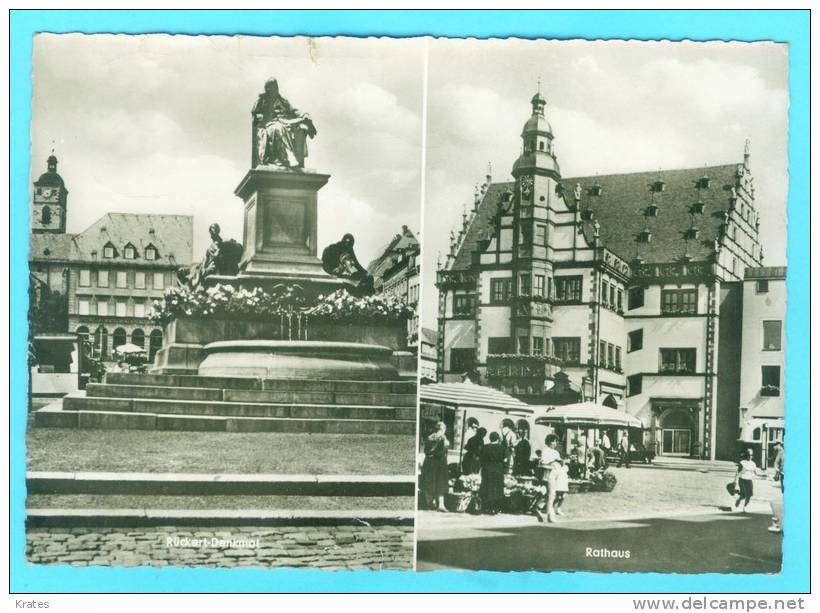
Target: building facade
x=396 y=272
x=762 y=373
x=110 y=272
x=622 y=289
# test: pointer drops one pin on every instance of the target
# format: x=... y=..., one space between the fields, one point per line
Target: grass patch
x=58 y=449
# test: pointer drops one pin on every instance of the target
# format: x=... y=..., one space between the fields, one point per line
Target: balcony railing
x=521 y=365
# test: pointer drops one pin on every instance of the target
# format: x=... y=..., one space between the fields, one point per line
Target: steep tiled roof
x=400 y=242
x=621 y=212
x=172 y=235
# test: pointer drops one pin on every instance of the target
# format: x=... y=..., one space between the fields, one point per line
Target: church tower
x=49 y=201
x=537 y=191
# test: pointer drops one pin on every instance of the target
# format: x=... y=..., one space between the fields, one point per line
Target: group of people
x=494 y=456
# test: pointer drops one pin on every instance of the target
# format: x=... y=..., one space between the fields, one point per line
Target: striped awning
x=586 y=414
x=471 y=395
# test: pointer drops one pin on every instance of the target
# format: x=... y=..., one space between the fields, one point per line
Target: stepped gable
x=621 y=212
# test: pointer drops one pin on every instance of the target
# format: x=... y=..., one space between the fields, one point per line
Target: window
x=772 y=334
x=568 y=349
x=102 y=278
x=499 y=344
x=678 y=301
x=605 y=293
x=539 y=285
x=524 y=284
x=82 y=306
x=620 y=305
x=636 y=298
x=568 y=289
x=524 y=344
x=540 y=235
x=139 y=280
x=635 y=340
x=610 y=355
x=634 y=385
x=677 y=361
x=85 y=277
x=120 y=308
x=500 y=290
x=463 y=304
x=602 y=354
x=129 y=253
x=122 y=278
x=762 y=286
x=102 y=307
x=108 y=251
x=617 y=358
x=45 y=217
x=159 y=280
x=537 y=345
x=612 y=289
x=139 y=309
x=150 y=253
x=770 y=380
x=462 y=360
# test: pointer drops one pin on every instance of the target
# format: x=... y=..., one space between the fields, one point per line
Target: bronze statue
x=280 y=131
x=339 y=260
x=221 y=258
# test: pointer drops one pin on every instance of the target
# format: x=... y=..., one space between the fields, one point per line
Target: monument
x=267 y=311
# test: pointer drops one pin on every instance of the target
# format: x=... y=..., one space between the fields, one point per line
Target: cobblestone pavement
x=327 y=548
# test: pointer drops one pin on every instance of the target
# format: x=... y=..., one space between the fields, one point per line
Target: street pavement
x=719 y=542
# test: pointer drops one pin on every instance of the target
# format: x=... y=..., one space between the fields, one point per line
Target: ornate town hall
x=623 y=289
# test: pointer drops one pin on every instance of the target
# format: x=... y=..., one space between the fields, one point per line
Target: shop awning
x=471 y=395
x=586 y=414
x=752 y=429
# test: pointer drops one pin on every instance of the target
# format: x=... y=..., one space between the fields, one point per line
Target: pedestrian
x=553 y=468
x=744 y=486
x=522 y=466
x=561 y=488
x=606 y=445
x=434 y=475
x=508 y=441
x=471 y=462
x=598 y=457
x=777 y=505
x=493 y=469
x=623 y=450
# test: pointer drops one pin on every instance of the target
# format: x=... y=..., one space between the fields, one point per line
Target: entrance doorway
x=676 y=441
x=677 y=434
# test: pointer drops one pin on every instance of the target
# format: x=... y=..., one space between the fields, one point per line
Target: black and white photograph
x=224 y=281
x=604 y=267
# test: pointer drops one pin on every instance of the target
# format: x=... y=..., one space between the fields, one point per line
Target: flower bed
x=285 y=302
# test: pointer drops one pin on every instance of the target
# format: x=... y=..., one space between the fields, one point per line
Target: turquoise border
x=782 y=26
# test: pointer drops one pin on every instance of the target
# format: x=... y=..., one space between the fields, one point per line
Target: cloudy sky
x=614 y=107
x=161 y=124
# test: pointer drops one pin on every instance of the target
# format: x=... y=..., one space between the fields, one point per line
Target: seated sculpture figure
x=221 y=258
x=339 y=260
x=280 y=131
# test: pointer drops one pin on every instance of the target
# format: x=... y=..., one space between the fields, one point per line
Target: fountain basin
x=298 y=360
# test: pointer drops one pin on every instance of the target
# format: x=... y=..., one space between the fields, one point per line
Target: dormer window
x=692 y=233
x=150 y=253
x=698 y=207
x=703 y=182
x=129 y=253
x=596 y=190
x=109 y=251
x=658 y=186
x=652 y=210
x=586 y=215
x=645 y=236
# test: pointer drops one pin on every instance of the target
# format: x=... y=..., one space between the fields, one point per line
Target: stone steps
x=245 y=383
x=215 y=394
x=237 y=409
x=56 y=417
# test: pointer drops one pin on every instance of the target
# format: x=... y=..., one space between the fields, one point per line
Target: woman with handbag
x=434 y=475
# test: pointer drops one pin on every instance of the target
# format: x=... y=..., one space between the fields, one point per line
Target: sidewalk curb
x=139 y=518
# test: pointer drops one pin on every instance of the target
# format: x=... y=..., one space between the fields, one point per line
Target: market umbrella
x=129 y=348
x=587 y=414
